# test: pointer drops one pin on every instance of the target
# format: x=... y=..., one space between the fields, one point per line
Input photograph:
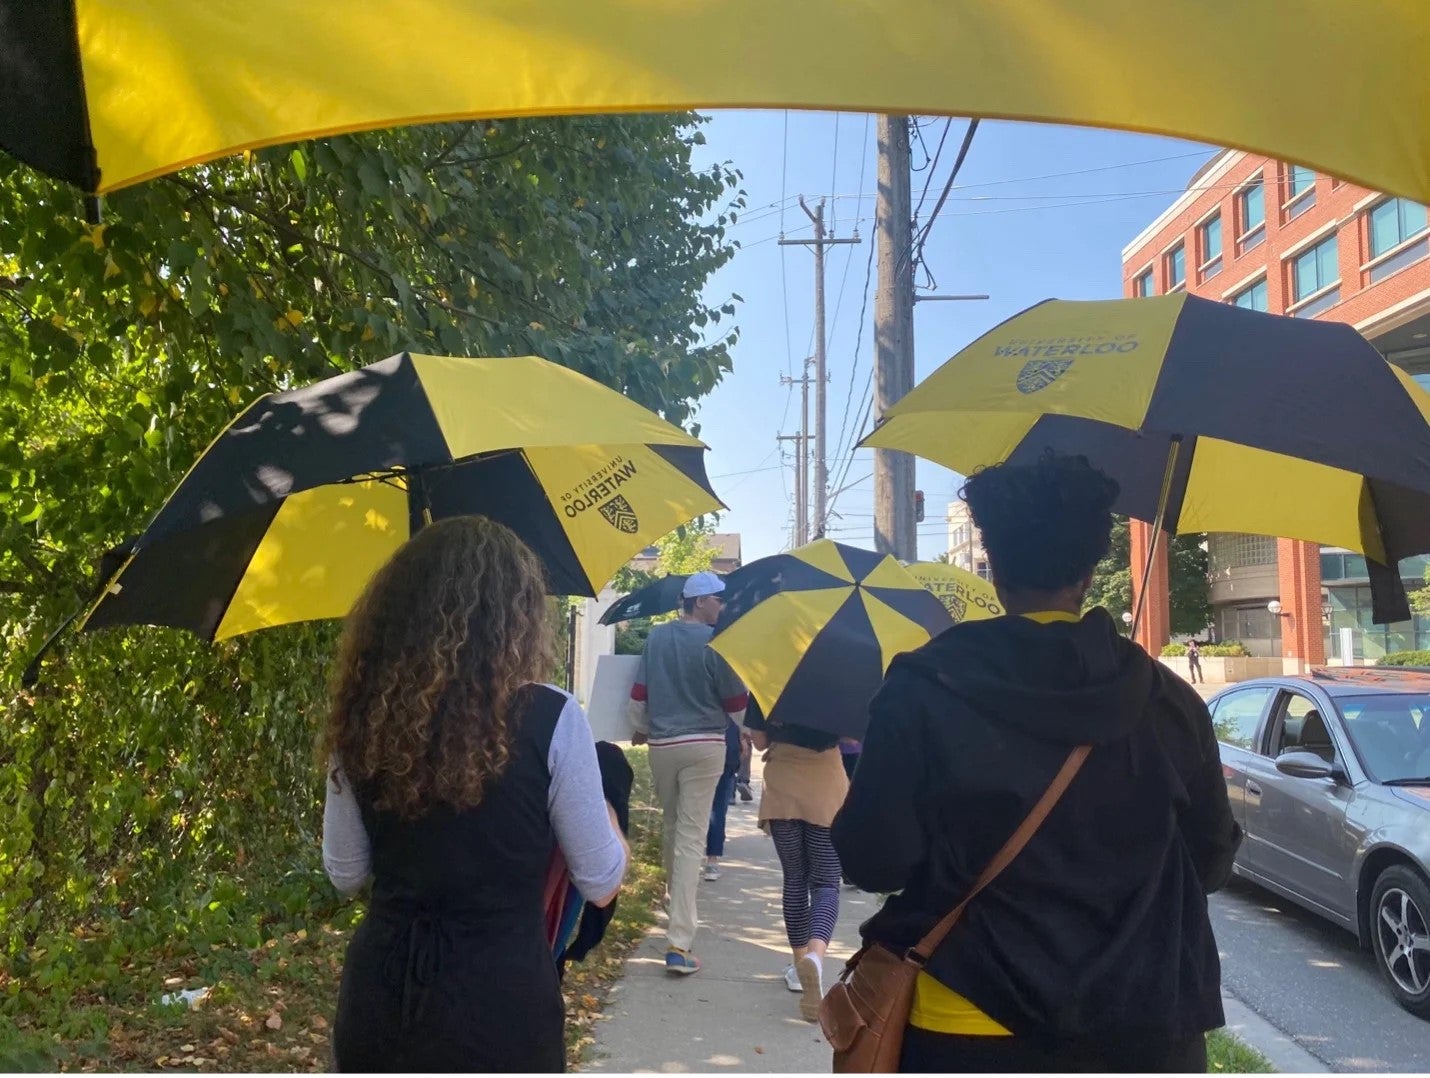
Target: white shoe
x=711 y=874
x=792 y=980
x=811 y=983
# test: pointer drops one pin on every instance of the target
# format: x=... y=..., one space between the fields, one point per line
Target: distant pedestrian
x=742 y=777
x=720 y=808
x=804 y=785
x=682 y=702
x=1194 y=661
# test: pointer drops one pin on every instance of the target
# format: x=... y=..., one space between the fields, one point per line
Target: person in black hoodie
x=1093 y=950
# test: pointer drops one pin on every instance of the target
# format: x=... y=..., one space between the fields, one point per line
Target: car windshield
x=1391 y=732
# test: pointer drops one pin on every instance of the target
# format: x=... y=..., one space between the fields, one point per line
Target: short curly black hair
x=1046 y=525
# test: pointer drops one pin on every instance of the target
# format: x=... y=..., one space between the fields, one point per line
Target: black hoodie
x=1099 y=929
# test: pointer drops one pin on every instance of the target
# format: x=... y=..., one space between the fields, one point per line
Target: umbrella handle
x=1162 y=500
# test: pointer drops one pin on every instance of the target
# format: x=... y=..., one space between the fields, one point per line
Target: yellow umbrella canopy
x=113 y=92
x=1322 y=439
x=811 y=632
x=291 y=510
x=966 y=596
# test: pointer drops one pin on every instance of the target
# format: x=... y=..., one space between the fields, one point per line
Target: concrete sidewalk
x=735 y=1015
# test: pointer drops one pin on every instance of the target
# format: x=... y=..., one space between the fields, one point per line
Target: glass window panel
x=1384 y=227
x=1238 y=714
x=1404 y=257
x=1252 y=298
x=1176 y=266
x=1393 y=222
x=1211 y=239
x=1145 y=285
x=1301 y=179
x=1253 y=207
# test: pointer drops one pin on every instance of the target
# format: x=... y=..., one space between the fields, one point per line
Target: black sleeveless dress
x=450 y=970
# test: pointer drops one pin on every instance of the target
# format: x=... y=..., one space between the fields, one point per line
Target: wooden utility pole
x=821 y=378
x=801 y=469
x=894 y=338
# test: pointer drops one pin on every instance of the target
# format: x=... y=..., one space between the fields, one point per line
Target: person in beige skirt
x=804 y=786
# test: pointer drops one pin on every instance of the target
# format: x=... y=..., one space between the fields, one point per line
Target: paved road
x=1312 y=981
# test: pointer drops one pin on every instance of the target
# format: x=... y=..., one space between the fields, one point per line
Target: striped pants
x=811 y=871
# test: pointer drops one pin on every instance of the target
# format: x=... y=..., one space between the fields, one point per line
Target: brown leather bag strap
x=922 y=950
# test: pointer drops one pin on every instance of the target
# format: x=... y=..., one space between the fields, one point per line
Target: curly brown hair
x=432 y=657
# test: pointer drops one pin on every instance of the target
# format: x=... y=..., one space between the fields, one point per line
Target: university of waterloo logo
x=620 y=515
x=598 y=492
x=1040 y=373
x=1048 y=359
x=955 y=604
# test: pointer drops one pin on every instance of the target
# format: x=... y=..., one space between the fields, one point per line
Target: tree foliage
x=151 y=780
x=688 y=549
x=1187 y=571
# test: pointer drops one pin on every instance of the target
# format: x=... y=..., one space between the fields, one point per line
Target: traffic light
x=918 y=507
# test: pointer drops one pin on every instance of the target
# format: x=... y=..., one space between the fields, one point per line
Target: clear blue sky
x=1006 y=230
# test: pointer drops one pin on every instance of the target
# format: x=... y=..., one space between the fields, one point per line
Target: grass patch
x=1228 y=1055
x=270 y=1007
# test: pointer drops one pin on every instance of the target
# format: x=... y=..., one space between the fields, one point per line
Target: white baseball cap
x=704 y=583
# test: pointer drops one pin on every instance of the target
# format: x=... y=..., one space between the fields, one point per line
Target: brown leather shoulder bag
x=864 y=1015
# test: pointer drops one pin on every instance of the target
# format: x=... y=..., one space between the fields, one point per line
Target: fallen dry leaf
x=229 y=1035
x=319 y=1022
x=275 y=1021
x=759 y=1051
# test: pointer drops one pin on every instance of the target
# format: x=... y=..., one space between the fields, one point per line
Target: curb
x=1278 y=1047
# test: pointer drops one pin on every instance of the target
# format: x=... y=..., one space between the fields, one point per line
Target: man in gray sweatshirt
x=684 y=696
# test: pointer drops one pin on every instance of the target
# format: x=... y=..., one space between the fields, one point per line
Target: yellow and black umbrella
x=1212 y=418
x=811 y=632
x=106 y=93
x=966 y=596
x=291 y=510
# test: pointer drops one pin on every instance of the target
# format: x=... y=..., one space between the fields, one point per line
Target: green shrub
x=1227 y=649
x=1406 y=658
x=1173 y=650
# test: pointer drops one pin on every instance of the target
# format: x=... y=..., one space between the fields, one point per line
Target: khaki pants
x=685 y=778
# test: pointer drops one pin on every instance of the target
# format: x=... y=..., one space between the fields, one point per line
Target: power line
x=784 y=277
x=834 y=175
x=917 y=248
x=947 y=124
x=842 y=443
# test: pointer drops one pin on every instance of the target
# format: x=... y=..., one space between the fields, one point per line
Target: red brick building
x=1280 y=238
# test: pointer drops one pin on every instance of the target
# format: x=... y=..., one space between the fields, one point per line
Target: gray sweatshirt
x=687 y=689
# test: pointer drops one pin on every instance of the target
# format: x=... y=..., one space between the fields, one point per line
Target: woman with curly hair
x=1093 y=949
x=452 y=775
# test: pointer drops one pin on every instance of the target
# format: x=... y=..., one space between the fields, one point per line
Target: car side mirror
x=1305 y=765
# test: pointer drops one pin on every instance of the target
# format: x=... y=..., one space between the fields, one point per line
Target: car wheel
x=1400 y=936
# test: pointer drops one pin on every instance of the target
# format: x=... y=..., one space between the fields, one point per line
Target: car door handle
x=1253 y=789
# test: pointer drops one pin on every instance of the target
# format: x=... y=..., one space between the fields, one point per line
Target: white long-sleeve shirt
x=594 y=854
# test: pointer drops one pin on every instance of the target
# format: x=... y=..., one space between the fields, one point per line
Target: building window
x=1315 y=277
x=1397 y=232
x=1300 y=190
x=1232 y=551
x=1176 y=267
x=1210 y=231
x=1253 y=297
x=1251 y=215
x=1143 y=285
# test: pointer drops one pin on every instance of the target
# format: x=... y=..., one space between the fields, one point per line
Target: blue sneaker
x=681 y=962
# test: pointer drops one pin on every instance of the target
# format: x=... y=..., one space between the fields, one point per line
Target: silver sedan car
x=1329 y=775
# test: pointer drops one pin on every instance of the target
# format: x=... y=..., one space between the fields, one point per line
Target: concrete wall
x=592 y=641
